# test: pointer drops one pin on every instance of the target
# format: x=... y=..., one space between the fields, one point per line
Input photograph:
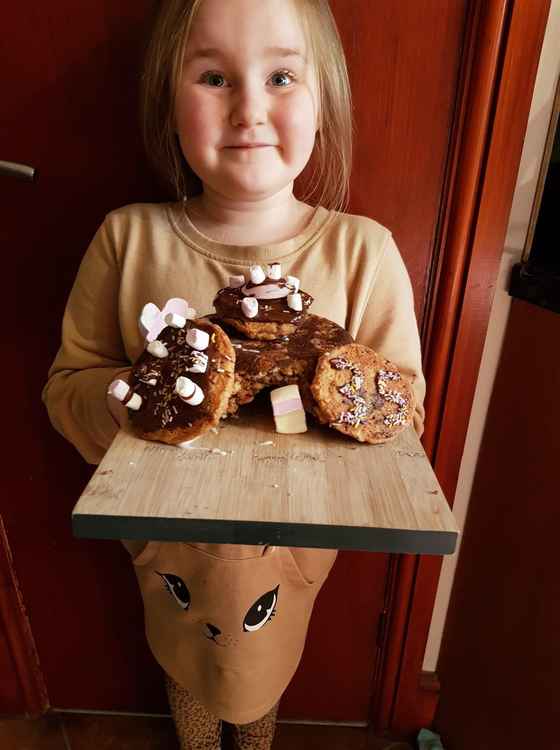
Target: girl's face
x=245 y=80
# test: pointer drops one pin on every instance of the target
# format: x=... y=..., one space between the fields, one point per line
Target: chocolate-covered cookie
x=292 y=359
x=181 y=384
x=267 y=306
x=361 y=394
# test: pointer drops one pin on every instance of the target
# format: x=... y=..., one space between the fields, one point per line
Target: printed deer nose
x=213 y=629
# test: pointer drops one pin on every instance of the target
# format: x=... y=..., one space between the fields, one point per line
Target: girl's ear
x=141 y=552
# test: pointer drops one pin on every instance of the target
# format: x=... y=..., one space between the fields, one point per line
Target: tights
x=197 y=729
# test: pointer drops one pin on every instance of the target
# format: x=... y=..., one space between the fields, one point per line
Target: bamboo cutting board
x=243 y=483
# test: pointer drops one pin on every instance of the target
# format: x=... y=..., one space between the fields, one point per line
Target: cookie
x=361 y=394
x=267 y=306
x=292 y=359
x=182 y=382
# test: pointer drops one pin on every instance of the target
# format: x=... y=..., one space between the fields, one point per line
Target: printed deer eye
x=262 y=611
x=177 y=588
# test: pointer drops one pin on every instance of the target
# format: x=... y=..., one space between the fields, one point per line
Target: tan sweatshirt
x=152 y=252
x=228 y=622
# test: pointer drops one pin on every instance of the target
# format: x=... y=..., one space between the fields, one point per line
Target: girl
x=238 y=97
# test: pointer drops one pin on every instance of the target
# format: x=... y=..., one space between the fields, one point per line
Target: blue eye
x=206 y=77
x=287 y=74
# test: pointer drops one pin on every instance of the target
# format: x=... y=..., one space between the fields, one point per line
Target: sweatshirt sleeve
x=91 y=354
x=389 y=323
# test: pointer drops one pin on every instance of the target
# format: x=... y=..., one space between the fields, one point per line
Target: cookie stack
x=195 y=371
x=280 y=342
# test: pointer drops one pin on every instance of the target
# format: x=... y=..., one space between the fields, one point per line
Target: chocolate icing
x=161 y=406
x=228 y=304
x=314 y=337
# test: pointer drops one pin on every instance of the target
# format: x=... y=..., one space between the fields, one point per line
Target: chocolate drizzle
x=228 y=304
x=162 y=407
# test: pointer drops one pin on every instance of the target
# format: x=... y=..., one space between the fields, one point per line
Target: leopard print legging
x=197 y=729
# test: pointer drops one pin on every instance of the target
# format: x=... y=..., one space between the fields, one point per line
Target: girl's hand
x=117 y=411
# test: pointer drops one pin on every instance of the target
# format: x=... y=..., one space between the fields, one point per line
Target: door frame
x=24 y=692
x=502 y=44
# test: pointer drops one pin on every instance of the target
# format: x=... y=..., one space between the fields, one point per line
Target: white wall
x=539 y=119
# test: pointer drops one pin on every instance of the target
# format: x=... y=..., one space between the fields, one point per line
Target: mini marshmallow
x=120 y=390
x=158 y=349
x=293 y=281
x=295 y=302
x=197 y=339
x=174 y=320
x=275 y=271
x=250 y=307
x=236 y=281
x=200 y=362
x=257 y=274
x=189 y=391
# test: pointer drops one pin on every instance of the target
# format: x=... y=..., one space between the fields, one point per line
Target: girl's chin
x=256 y=185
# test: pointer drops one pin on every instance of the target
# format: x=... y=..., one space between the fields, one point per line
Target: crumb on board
x=267 y=442
x=216 y=451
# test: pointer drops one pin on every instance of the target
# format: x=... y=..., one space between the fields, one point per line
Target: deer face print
x=256 y=616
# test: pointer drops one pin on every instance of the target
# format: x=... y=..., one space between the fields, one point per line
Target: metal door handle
x=21 y=171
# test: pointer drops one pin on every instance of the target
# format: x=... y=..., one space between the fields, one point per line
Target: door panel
x=70 y=110
x=507 y=573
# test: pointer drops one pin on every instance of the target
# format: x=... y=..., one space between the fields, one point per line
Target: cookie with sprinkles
x=181 y=384
x=361 y=394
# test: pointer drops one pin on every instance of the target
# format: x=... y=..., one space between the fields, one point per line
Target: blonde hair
x=331 y=161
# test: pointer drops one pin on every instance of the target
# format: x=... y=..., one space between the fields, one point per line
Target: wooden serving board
x=243 y=483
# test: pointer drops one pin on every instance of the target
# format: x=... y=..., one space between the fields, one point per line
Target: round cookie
x=361 y=394
x=292 y=359
x=267 y=306
x=165 y=414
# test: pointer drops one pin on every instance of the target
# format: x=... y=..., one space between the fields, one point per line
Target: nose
x=213 y=629
x=249 y=106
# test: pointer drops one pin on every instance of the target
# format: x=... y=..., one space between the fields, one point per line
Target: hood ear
x=141 y=552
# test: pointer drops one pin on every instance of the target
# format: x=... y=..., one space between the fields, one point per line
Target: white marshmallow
x=119 y=389
x=295 y=302
x=148 y=317
x=200 y=362
x=257 y=274
x=275 y=271
x=236 y=281
x=197 y=339
x=158 y=349
x=175 y=321
x=294 y=282
x=250 y=307
x=135 y=402
x=189 y=391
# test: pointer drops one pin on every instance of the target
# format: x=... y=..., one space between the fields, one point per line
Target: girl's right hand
x=117 y=411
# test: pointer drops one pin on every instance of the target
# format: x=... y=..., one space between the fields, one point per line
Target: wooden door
x=69 y=80
x=507 y=582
